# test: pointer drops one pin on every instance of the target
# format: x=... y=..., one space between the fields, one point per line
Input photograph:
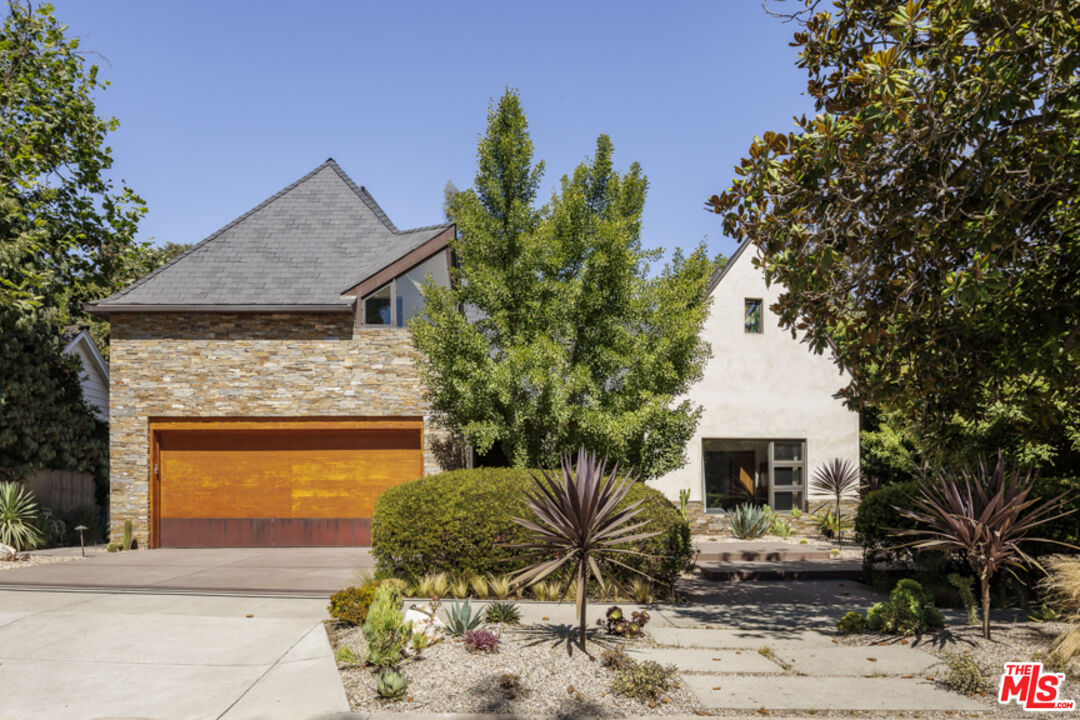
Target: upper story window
x=396 y=303
x=752 y=315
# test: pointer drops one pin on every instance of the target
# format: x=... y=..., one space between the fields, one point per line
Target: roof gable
x=722 y=270
x=303 y=246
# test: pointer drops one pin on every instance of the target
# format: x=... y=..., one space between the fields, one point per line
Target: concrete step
x=759 y=552
x=794 y=570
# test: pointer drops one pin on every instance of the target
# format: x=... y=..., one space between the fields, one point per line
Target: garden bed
x=48 y=557
x=1012 y=642
x=554 y=677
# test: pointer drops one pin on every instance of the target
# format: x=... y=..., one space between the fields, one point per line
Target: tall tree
x=67 y=232
x=554 y=334
x=925 y=223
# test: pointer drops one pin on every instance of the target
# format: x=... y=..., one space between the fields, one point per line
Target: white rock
x=425 y=623
x=6 y=552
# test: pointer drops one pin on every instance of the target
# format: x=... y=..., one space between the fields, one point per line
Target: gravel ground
x=1012 y=642
x=48 y=557
x=447 y=678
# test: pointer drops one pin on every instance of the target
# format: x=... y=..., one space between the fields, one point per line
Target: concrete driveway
x=90 y=655
x=315 y=572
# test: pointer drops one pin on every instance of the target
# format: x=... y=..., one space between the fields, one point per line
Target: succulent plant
x=392 y=685
x=503 y=613
x=619 y=624
x=482 y=640
x=460 y=618
x=749 y=522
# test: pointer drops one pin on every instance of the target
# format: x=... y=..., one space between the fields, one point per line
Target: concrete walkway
x=84 y=655
x=299 y=572
x=791 y=671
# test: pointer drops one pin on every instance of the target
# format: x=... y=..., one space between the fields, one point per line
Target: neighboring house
x=264 y=386
x=770 y=416
x=94 y=377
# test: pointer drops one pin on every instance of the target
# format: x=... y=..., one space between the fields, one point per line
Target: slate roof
x=304 y=246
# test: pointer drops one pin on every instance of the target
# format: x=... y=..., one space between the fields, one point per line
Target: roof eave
x=103 y=311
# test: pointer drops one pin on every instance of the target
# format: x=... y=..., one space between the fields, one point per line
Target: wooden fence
x=62 y=490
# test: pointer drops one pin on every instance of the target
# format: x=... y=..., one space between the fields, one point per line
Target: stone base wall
x=716 y=524
x=186 y=365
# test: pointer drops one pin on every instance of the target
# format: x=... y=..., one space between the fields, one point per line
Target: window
x=788 y=466
x=377 y=307
x=760 y=472
x=400 y=300
x=752 y=315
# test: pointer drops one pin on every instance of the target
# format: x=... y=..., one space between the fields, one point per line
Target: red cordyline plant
x=579 y=525
x=985 y=514
x=838 y=477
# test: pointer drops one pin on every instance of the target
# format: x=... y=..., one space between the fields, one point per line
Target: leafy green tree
x=67 y=232
x=554 y=335
x=924 y=223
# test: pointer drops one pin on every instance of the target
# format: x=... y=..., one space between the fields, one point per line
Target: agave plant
x=749 y=522
x=503 y=613
x=18 y=517
x=838 y=477
x=580 y=526
x=392 y=685
x=460 y=618
x=985 y=514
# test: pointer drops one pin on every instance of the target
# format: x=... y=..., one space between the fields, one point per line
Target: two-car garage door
x=251 y=482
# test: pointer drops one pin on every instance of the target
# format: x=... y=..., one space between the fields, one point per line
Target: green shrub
x=1065 y=529
x=963 y=585
x=852 y=623
x=459 y=522
x=877 y=520
x=351 y=605
x=908 y=611
x=965 y=676
x=643 y=680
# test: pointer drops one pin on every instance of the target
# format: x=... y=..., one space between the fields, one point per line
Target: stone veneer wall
x=260 y=365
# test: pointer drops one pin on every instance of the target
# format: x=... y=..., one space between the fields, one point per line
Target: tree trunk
x=984 y=579
x=582 y=589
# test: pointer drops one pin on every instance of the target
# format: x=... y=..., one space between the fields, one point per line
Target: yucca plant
x=749 y=522
x=838 y=477
x=18 y=517
x=985 y=514
x=579 y=526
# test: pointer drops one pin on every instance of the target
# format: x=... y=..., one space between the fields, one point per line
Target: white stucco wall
x=766 y=386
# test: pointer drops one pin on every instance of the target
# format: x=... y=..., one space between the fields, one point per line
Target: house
x=770 y=417
x=94 y=377
x=264 y=389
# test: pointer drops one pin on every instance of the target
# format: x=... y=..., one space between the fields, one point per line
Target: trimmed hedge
x=460 y=521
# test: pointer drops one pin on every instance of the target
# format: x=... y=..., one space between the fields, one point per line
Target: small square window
x=752 y=316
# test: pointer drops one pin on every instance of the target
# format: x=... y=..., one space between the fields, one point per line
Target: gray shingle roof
x=306 y=245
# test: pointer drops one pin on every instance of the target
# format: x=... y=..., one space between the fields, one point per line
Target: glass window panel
x=752 y=316
x=787 y=501
x=787 y=451
x=410 y=301
x=787 y=476
x=377 y=307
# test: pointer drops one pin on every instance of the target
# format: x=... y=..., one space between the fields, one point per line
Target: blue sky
x=222 y=104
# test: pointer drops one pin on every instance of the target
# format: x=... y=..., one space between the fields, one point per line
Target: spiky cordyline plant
x=985 y=514
x=580 y=524
x=838 y=477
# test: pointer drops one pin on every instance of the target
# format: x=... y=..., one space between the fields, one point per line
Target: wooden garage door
x=276 y=483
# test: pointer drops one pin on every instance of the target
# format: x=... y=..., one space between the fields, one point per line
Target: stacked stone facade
x=196 y=365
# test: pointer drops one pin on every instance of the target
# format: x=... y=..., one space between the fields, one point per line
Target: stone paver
x=786 y=692
x=858 y=661
x=749 y=638
x=707 y=661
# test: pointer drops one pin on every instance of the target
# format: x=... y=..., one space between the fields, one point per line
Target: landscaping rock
x=7 y=553
x=424 y=623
